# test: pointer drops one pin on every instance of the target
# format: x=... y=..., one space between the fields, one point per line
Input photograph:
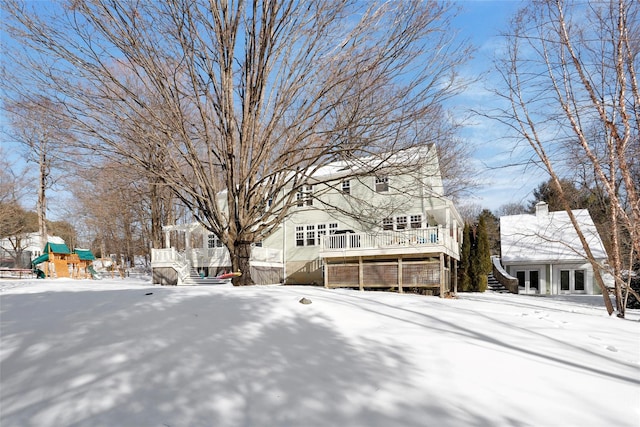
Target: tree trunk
x=614 y=256
x=42 y=201
x=156 y=219
x=240 y=262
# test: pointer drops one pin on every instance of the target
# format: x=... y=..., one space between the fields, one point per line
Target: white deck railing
x=416 y=238
x=205 y=257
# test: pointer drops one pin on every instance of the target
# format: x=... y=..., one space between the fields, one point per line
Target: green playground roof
x=84 y=254
x=56 y=248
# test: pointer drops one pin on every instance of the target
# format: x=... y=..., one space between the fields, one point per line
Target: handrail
x=384 y=239
x=504 y=278
x=183 y=261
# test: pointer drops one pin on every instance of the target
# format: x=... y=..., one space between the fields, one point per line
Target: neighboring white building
x=27 y=246
x=544 y=253
x=394 y=228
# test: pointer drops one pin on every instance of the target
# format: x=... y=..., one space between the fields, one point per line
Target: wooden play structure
x=58 y=261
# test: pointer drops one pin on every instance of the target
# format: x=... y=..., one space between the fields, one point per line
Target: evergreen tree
x=465 y=259
x=481 y=256
x=492 y=225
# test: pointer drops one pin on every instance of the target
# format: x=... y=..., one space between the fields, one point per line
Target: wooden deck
x=399 y=273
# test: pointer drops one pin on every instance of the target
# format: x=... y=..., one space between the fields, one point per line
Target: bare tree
x=512 y=208
x=12 y=184
x=43 y=136
x=246 y=100
x=121 y=212
x=570 y=68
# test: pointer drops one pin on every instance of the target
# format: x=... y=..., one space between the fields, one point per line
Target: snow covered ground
x=127 y=353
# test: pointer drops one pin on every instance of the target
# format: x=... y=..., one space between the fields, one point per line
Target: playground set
x=58 y=261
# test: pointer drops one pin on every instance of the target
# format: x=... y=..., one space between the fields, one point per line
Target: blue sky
x=482 y=22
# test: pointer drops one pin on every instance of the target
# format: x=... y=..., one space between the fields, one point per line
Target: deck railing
x=386 y=239
x=203 y=257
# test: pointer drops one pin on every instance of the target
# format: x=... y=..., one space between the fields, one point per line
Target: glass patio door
x=572 y=281
x=529 y=281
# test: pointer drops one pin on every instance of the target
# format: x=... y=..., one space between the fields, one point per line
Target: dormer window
x=382 y=184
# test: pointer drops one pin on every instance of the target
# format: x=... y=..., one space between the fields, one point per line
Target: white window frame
x=572 y=275
x=401 y=222
x=381 y=184
x=322 y=231
x=346 y=186
x=304 y=196
x=213 y=241
x=311 y=234
x=299 y=236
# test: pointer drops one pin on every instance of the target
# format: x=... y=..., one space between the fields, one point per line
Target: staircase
x=496 y=286
x=195 y=279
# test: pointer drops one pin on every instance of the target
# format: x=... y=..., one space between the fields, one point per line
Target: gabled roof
x=548 y=237
x=84 y=254
x=415 y=155
x=56 y=248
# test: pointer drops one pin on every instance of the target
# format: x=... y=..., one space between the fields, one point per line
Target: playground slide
x=94 y=274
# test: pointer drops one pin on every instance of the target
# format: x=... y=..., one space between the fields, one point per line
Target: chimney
x=542 y=209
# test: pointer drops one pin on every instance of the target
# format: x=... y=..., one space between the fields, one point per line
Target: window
x=520 y=276
x=572 y=280
x=564 y=280
x=304 y=196
x=382 y=184
x=346 y=186
x=299 y=235
x=401 y=223
x=308 y=194
x=311 y=235
x=213 y=242
x=322 y=231
x=534 y=281
x=579 y=280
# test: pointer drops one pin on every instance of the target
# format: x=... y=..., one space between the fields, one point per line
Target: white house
x=19 y=251
x=544 y=253
x=391 y=229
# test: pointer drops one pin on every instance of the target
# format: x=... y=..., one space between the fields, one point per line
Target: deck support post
x=360 y=274
x=442 y=278
x=400 y=274
x=325 y=266
x=455 y=277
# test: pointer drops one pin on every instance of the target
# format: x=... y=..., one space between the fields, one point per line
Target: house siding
x=413 y=200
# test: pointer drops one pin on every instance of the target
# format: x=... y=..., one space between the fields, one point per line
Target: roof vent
x=542 y=209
